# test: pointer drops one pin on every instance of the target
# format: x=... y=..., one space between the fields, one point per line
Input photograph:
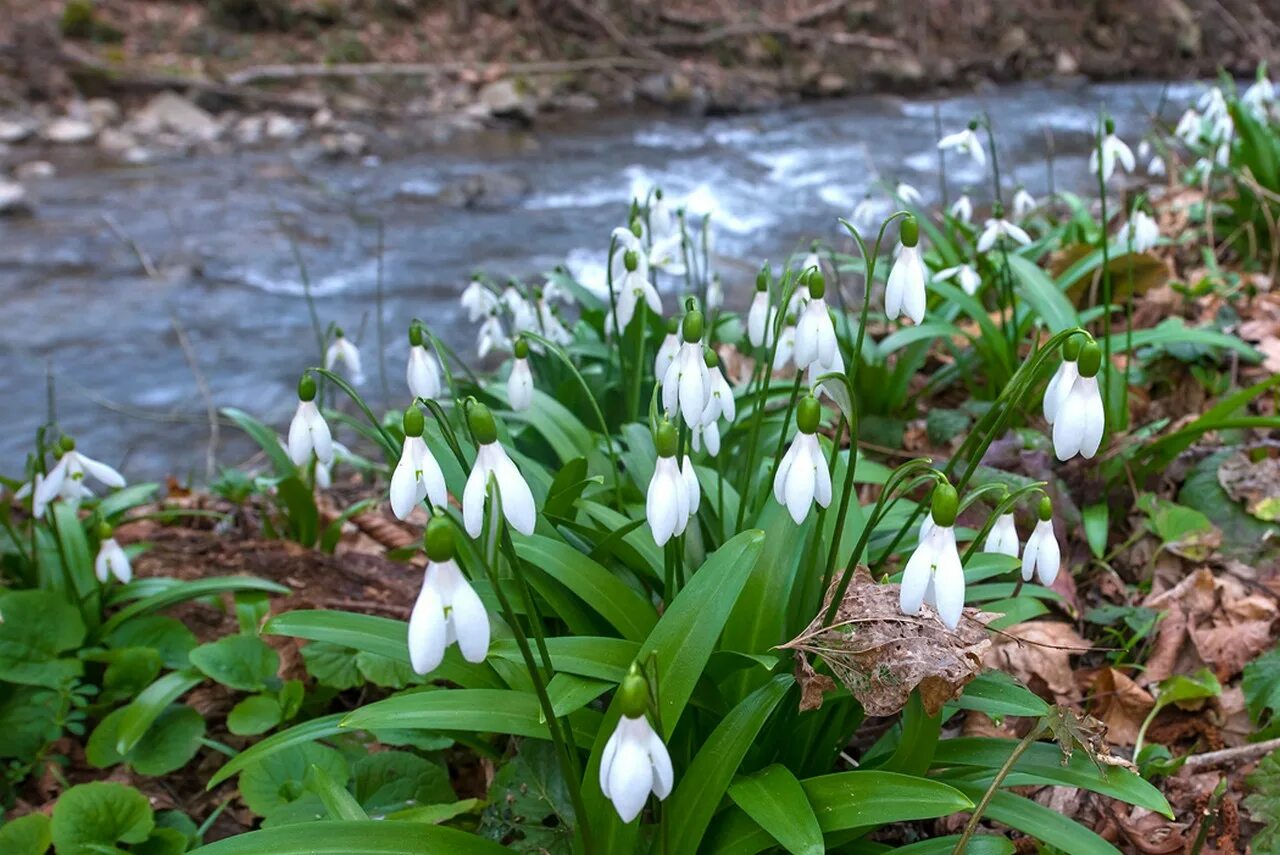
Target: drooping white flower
x=478 y=300
x=994 y=228
x=720 y=404
x=864 y=213
x=1042 y=555
x=1142 y=231
x=715 y=293
x=417 y=476
x=786 y=347
x=1156 y=167
x=760 y=319
x=815 y=333
x=634 y=287
x=818 y=369
x=686 y=386
x=965 y=142
x=491 y=337
x=962 y=209
x=343 y=352
x=908 y=194
x=66 y=479
x=802 y=477
x=1259 y=97
x=309 y=432
x=523 y=315
x=1059 y=385
x=1023 y=204
x=112 y=561
x=1080 y=418
x=491 y=459
x=904 y=292
x=1188 y=127
x=708 y=436
x=964 y=274
x=934 y=574
x=1003 y=537
x=552 y=327
x=423 y=372
x=447 y=609
x=1213 y=106
x=667 y=502
x=1113 y=150
x=635 y=763
x=520 y=385
x=667 y=350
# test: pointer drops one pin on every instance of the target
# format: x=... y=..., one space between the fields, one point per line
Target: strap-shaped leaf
x=774 y=798
x=370 y=837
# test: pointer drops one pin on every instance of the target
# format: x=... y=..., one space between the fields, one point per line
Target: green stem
x=1010 y=761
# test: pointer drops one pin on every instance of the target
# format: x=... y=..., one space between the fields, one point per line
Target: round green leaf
x=243 y=662
x=29 y=647
x=91 y=817
x=255 y=714
x=27 y=835
x=167 y=636
x=170 y=743
x=279 y=779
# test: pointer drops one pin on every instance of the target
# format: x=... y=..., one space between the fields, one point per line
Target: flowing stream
x=79 y=309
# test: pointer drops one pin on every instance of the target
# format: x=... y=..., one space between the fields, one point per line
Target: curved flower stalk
x=635 y=762
x=66 y=479
x=673 y=494
x=1024 y=204
x=309 y=432
x=343 y=352
x=1080 y=419
x=803 y=477
x=815 y=333
x=760 y=316
x=478 y=300
x=968 y=278
x=998 y=227
x=962 y=209
x=668 y=349
x=634 y=287
x=417 y=476
x=447 y=610
x=904 y=293
x=492 y=460
x=112 y=559
x=1003 y=537
x=1110 y=151
x=686 y=387
x=1042 y=556
x=520 y=380
x=423 y=372
x=1063 y=378
x=1142 y=232
x=933 y=574
x=966 y=142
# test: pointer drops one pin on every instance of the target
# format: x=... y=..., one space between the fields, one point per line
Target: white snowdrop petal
x=517 y=499
x=630 y=779
x=948 y=583
x=660 y=759
x=915 y=579
x=471 y=622
x=473 y=496
x=426 y=630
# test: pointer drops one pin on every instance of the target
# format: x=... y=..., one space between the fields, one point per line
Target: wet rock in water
x=168 y=113
x=250 y=130
x=15 y=130
x=13 y=199
x=115 y=141
x=283 y=128
x=34 y=169
x=482 y=191
x=503 y=99
x=345 y=144
x=102 y=112
x=66 y=130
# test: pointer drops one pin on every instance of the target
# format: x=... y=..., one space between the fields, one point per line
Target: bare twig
x=143 y=258
x=211 y=409
x=1239 y=754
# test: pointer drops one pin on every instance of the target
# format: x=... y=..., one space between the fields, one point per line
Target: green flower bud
x=693 y=326
x=415 y=334
x=306 y=388
x=673 y=325
x=483 y=427
x=945 y=505
x=711 y=357
x=1045 y=509
x=1071 y=348
x=1090 y=359
x=633 y=694
x=817 y=285
x=439 y=539
x=521 y=348
x=909 y=232
x=104 y=530
x=808 y=414
x=413 y=421
x=630 y=260
x=667 y=440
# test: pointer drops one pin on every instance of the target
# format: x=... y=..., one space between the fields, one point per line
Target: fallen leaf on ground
x=1121 y=704
x=1039 y=654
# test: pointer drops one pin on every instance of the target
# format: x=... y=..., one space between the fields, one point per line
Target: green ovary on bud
x=636 y=228
x=909 y=232
x=692 y=326
x=67 y=444
x=630 y=260
x=439 y=539
x=521 y=348
x=762 y=279
x=1109 y=126
x=413 y=421
x=633 y=694
x=711 y=357
x=483 y=427
x=808 y=414
x=973 y=124
x=415 y=334
x=945 y=505
x=1045 y=509
x=673 y=325
x=338 y=333
x=667 y=440
x=817 y=285
x=306 y=388
x=997 y=210
x=1090 y=359
x=104 y=531
x=1071 y=348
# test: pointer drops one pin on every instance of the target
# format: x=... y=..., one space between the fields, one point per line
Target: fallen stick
x=1239 y=754
x=256 y=73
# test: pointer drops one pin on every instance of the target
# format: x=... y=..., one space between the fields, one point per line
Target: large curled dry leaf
x=1039 y=654
x=881 y=655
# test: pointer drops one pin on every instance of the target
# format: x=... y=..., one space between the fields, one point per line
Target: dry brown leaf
x=881 y=656
x=1121 y=704
x=1039 y=654
x=1255 y=482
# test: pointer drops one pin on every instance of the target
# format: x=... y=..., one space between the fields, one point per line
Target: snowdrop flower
x=1188 y=127
x=668 y=349
x=1042 y=556
x=1213 y=105
x=1260 y=95
x=491 y=336
x=634 y=287
x=760 y=317
x=520 y=381
x=706 y=435
x=965 y=142
x=66 y=479
x=635 y=762
x=552 y=327
x=1080 y=418
x=1156 y=167
x=715 y=293
x=478 y=300
x=523 y=315
x=309 y=432
x=815 y=334
x=686 y=386
x=720 y=403
x=662 y=219
x=993 y=229
x=933 y=574
x=111 y=560
x=423 y=373
x=1003 y=537
x=786 y=346
x=1063 y=379
x=1111 y=149
x=904 y=293
x=341 y=350
x=964 y=274
x=818 y=369
x=492 y=459
x=864 y=213
x=671 y=493
x=908 y=194
x=1142 y=231
x=803 y=477
x=962 y=209
x=1023 y=204
x=448 y=608
x=417 y=476
x=1144 y=149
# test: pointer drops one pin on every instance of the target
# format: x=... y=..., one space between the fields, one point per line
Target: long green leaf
x=1040 y=292
x=775 y=800
x=468 y=710
x=1046 y=825
x=385 y=837
x=309 y=731
x=189 y=591
x=151 y=701
x=600 y=657
x=267 y=440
